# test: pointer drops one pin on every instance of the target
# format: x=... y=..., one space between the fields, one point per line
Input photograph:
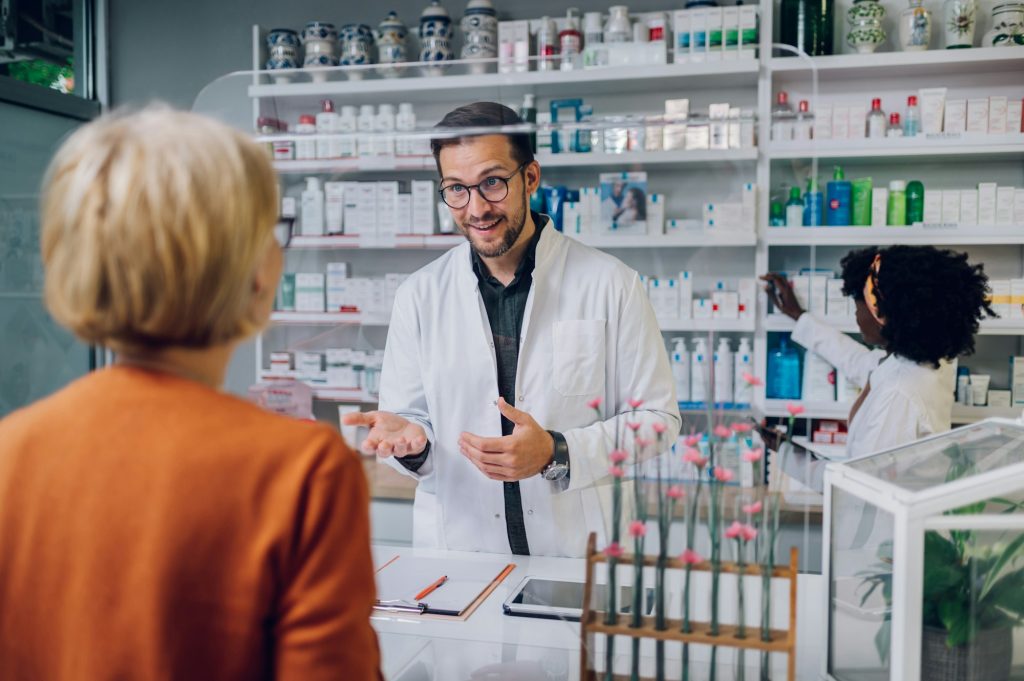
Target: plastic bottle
x=528 y=114
x=783 y=373
x=803 y=128
x=896 y=215
x=839 y=194
x=782 y=119
x=312 y=215
x=305 y=150
x=723 y=372
x=547 y=44
x=405 y=122
x=699 y=371
x=814 y=205
x=912 y=121
x=743 y=363
x=963 y=386
x=876 y=124
x=794 y=208
x=895 y=127
x=346 y=130
x=327 y=124
x=681 y=369
x=570 y=41
x=365 y=123
x=777 y=215
x=384 y=126
x=915 y=202
x=583 y=136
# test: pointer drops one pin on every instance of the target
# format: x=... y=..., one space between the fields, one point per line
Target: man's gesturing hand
x=520 y=455
x=390 y=434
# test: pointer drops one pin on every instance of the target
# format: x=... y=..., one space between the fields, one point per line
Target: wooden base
x=700 y=634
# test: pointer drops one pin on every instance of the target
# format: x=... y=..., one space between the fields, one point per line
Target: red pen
x=430 y=589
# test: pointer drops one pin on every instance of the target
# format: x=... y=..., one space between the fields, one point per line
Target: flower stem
x=741 y=626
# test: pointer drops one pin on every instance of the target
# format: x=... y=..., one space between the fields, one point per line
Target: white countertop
x=493 y=646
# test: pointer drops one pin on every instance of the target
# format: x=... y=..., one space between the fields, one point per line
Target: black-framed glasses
x=283 y=231
x=493 y=189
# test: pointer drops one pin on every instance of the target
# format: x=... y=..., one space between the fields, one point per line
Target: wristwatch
x=558 y=467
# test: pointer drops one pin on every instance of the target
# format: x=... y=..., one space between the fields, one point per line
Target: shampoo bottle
x=794 y=208
x=839 y=193
x=783 y=373
x=814 y=205
x=723 y=372
x=699 y=371
x=681 y=369
x=312 y=215
x=915 y=202
x=743 y=392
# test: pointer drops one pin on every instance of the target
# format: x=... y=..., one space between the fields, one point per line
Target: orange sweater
x=153 y=528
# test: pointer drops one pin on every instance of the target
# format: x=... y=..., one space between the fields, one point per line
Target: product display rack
x=845 y=77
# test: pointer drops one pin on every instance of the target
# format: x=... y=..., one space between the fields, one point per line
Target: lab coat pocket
x=578 y=354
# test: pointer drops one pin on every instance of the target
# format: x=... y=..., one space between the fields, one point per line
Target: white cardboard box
x=956 y=115
x=987 y=203
x=880 y=205
x=309 y=292
x=334 y=207
x=932 y=206
x=835 y=301
x=1004 y=205
x=968 y=206
x=977 y=115
x=950 y=206
x=997 y=115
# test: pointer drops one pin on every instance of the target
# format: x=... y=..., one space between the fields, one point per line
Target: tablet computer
x=561 y=599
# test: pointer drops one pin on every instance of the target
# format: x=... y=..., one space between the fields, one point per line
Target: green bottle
x=915 y=202
x=896 y=215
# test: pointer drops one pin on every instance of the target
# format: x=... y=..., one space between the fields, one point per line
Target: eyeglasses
x=283 y=231
x=493 y=189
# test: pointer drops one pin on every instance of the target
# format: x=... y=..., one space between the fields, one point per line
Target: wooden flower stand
x=592 y=621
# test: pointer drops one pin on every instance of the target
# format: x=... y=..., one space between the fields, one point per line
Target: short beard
x=510 y=238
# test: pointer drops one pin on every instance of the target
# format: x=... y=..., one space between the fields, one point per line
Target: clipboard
x=467 y=586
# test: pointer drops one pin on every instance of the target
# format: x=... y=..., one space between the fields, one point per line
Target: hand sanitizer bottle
x=681 y=369
x=743 y=392
x=312 y=216
x=723 y=372
x=699 y=371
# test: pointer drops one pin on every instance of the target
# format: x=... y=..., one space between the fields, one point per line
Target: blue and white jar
x=435 y=33
x=319 y=30
x=282 y=49
x=391 y=38
x=479 y=30
x=356 y=45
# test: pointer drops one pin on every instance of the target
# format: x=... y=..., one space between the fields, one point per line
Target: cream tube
x=933 y=104
x=979 y=389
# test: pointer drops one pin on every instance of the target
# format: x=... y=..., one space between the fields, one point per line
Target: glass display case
x=925 y=559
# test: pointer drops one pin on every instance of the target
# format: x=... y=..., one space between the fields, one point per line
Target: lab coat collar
x=550 y=238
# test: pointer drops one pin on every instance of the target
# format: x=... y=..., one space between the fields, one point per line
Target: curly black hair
x=932 y=300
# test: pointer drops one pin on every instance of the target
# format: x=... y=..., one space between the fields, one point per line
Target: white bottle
x=743 y=363
x=384 y=126
x=365 y=124
x=877 y=124
x=723 y=372
x=803 y=128
x=700 y=371
x=681 y=369
x=305 y=149
x=405 y=121
x=312 y=216
x=346 y=132
x=327 y=124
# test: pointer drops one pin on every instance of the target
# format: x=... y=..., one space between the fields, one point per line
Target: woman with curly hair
x=920 y=306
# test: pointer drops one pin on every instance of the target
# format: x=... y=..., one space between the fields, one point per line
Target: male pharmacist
x=495 y=354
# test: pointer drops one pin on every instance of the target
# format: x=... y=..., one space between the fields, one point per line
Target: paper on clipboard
x=401 y=578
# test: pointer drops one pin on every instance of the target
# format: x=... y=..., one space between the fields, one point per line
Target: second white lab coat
x=907 y=402
x=588 y=331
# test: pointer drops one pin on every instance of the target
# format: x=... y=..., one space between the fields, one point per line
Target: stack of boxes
x=335 y=291
x=988 y=205
x=380 y=209
x=673 y=299
x=707 y=34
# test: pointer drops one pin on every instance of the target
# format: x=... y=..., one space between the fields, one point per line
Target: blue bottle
x=783 y=373
x=814 y=205
x=839 y=198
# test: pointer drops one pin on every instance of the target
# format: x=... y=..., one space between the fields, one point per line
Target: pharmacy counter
x=491 y=645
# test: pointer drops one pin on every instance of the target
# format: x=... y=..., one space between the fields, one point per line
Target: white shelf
x=361 y=164
x=964 y=415
x=698 y=239
x=376 y=242
x=322 y=391
x=328 y=318
x=982 y=60
x=707 y=325
x=989 y=327
x=937 y=235
x=646 y=158
x=841 y=411
x=468 y=86
x=952 y=147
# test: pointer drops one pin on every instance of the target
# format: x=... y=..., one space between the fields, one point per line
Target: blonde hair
x=153 y=225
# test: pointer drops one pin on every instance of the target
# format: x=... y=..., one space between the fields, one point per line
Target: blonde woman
x=152 y=526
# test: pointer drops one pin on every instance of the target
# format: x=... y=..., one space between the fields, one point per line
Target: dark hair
x=641 y=202
x=483 y=115
x=931 y=300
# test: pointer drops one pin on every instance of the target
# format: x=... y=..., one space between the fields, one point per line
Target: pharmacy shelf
x=696 y=239
x=328 y=318
x=707 y=325
x=841 y=411
x=984 y=60
x=937 y=235
x=718 y=409
x=989 y=327
x=875 y=151
x=646 y=158
x=471 y=86
x=323 y=391
x=377 y=242
x=362 y=164
x=964 y=415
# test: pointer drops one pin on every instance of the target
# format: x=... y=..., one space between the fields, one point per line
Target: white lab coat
x=907 y=402
x=588 y=331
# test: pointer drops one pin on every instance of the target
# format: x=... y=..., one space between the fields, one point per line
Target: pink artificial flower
x=753 y=508
x=633 y=426
x=735 y=530
x=748 y=533
x=613 y=550
x=753 y=455
x=643 y=442
x=794 y=409
x=693 y=456
x=616 y=472
x=637 y=529
x=721 y=431
x=635 y=404
x=618 y=456
x=692 y=440
x=740 y=427
x=659 y=427
x=752 y=379
x=594 y=403
x=675 y=492
x=690 y=557
x=723 y=474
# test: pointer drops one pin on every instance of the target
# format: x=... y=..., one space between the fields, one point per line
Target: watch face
x=556 y=471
